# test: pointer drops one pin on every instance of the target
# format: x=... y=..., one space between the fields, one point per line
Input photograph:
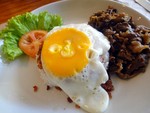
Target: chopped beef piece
x=108 y=87
x=58 y=88
x=48 y=87
x=69 y=100
x=38 y=58
x=130 y=43
x=35 y=88
x=77 y=106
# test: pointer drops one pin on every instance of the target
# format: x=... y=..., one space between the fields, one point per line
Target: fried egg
x=75 y=57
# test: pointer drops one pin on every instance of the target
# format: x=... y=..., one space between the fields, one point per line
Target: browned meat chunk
x=130 y=43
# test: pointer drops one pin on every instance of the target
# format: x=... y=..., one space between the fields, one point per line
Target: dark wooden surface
x=9 y=8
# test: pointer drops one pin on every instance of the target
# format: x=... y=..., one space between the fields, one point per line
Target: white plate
x=18 y=77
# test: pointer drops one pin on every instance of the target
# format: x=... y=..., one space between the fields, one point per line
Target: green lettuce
x=21 y=24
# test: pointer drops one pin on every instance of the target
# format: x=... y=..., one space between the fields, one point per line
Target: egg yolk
x=64 y=52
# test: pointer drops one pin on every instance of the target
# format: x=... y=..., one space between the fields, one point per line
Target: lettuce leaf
x=21 y=24
x=48 y=21
x=10 y=47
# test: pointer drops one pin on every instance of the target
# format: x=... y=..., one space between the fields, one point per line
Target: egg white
x=84 y=88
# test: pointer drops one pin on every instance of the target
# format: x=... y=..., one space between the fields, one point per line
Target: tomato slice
x=30 y=42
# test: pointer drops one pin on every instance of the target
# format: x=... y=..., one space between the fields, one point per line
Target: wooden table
x=9 y=8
